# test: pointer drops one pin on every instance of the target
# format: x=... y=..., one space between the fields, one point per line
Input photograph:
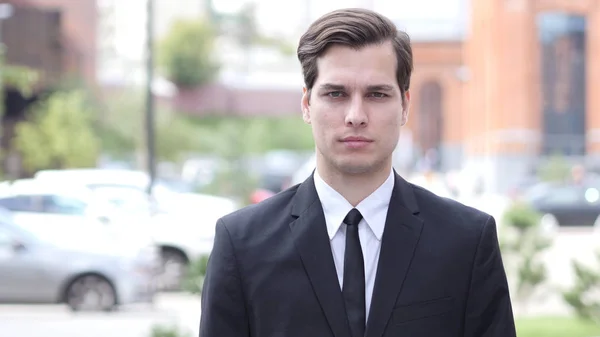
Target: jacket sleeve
x=223 y=308
x=489 y=310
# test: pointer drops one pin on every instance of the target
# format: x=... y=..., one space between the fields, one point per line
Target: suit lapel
x=311 y=239
x=400 y=238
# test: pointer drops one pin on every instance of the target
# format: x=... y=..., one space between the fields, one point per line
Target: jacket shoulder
x=449 y=211
x=272 y=210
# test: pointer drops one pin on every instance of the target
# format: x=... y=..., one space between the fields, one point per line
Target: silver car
x=90 y=275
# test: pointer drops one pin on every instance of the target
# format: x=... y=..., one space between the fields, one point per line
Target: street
x=58 y=321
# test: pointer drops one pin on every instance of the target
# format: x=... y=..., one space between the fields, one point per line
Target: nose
x=356 y=114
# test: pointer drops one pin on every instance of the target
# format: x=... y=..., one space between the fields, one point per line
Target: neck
x=353 y=187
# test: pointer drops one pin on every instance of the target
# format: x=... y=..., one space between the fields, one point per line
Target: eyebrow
x=339 y=87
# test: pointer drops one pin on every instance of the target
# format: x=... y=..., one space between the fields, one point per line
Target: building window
x=562 y=49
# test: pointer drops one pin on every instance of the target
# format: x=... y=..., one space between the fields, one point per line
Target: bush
x=59 y=133
x=195 y=275
x=186 y=54
x=523 y=243
x=583 y=296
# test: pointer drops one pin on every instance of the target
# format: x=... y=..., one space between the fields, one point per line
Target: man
x=355 y=250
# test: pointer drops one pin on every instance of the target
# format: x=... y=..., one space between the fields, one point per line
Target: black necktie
x=353 y=288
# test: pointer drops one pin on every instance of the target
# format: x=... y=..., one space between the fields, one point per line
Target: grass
x=556 y=327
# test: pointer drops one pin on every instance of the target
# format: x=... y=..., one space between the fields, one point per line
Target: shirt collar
x=373 y=208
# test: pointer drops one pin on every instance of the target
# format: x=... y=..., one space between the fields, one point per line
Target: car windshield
x=538 y=191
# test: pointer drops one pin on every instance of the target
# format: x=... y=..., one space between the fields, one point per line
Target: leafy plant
x=58 y=133
x=122 y=129
x=583 y=296
x=195 y=275
x=522 y=243
x=556 y=169
x=21 y=78
x=186 y=54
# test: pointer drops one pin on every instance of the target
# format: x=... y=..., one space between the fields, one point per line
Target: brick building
x=57 y=37
x=54 y=37
x=494 y=92
x=534 y=70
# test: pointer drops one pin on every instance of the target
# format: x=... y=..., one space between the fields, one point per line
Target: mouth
x=356 y=139
x=356 y=142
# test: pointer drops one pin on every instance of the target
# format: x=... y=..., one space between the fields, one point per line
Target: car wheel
x=91 y=293
x=174 y=267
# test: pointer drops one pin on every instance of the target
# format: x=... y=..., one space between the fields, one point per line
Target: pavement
x=136 y=321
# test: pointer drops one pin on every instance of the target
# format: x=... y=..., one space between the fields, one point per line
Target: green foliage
x=122 y=127
x=257 y=134
x=556 y=327
x=522 y=217
x=58 y=134
x=174 y=136
x=20 y=78
x=234 y=137
x=168 y=331
x=522 y=243
x=581 y=296
x=195 y=275
x=186 y=53
x=122 y=123
x=557 y=169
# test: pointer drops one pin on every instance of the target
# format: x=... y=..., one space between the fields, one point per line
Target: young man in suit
x=355 y=250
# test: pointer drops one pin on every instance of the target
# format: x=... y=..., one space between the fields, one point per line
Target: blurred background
x=130 y=126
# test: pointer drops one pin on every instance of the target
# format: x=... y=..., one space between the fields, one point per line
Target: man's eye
x=378 y=95
x=335 y=94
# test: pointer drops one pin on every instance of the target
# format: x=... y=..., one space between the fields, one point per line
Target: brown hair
x=354 y=28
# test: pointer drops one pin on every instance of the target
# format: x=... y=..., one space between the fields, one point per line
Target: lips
x=356 y=139
x=356 y=142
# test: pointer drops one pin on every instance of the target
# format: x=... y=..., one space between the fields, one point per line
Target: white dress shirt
x=374 y=210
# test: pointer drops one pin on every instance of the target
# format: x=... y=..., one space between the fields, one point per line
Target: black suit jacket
x=440 y=274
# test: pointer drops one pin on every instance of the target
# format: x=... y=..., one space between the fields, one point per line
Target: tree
x=186 y=54
x=122 y=132
x=20 y=78
x=556 y=169
x=58 y=134
x=522 y=243
x=583 y=296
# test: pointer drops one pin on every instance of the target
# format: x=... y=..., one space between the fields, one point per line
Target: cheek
x=326 y=120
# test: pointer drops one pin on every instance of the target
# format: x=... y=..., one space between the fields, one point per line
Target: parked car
x=181 y=224
x=88 y=273
x=47 y=208
x=566 y=205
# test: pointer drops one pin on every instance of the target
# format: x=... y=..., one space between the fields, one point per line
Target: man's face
x=355 y=108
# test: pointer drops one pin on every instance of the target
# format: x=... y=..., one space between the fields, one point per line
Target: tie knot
x=353 y=218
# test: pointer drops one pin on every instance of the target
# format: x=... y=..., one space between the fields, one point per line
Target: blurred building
x=534 y=68
x=498 y=85
x=57 y=37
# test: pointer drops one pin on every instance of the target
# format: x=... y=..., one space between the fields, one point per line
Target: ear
x=405 y=108
x=305 y=106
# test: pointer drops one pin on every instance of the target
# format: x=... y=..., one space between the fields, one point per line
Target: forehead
x=371 y=64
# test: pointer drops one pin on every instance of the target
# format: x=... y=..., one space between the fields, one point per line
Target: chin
x=354 y=167
x=358 y=164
